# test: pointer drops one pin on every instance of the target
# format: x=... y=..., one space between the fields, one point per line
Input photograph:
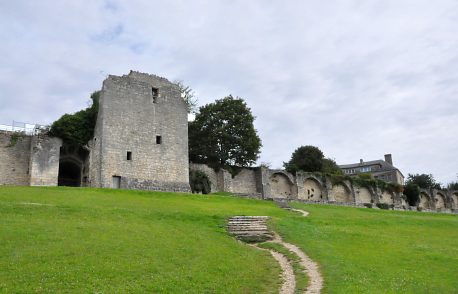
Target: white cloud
x=357 y=78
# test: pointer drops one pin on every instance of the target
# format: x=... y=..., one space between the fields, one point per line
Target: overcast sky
x=358 y=79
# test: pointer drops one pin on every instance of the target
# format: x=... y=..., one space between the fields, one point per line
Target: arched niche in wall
x=455 y=200
x=387 y=197
x=363 y=195
x=312 y=190
x=341 y=193
x=439 y=198
x=281 y=186
x=425 y=202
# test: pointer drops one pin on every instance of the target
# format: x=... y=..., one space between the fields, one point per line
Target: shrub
x=368 y=205
x=199 y=182
x=384 y=206
x=365 y=176
x=78 y=128
x=412 y=192
x=15 y=138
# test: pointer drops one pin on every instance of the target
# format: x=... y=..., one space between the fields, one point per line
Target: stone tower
x=141 y=135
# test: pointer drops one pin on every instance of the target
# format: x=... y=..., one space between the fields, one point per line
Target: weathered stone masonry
x=263 y=183
x=29 y=160
x=140 y=142
x=141 y=135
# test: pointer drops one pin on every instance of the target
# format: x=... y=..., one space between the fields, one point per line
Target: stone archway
x=281 y=186
x=341 y=194
x=439 y=198
x=424 y=203
x=312 y=190
x=69 y=173
x=455 y=200
x=387 y=198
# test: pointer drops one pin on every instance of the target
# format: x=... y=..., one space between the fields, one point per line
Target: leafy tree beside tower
x=223 y=134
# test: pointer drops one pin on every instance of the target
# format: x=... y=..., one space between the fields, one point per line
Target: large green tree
x=452 y=186
x=77 y=128
x=412 y=192
x=223 y=134
x=423 y=181
x=305 y=158
x=330 y=166
x=311 y=159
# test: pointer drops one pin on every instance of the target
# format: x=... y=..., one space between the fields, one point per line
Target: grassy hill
x=106 y=241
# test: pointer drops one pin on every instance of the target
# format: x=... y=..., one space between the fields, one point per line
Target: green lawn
x=364 y=250
x=114 y=241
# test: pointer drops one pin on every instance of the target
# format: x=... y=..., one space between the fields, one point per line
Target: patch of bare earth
x=253 y=229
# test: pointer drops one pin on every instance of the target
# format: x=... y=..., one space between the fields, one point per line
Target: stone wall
x=211 y=174
x=14 y=158
x=28 y=160
x=244 y=182
x=141 y=135
x=44 y=161
x=263 y=183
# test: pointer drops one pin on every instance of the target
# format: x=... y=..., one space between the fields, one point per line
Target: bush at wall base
x=199 y=182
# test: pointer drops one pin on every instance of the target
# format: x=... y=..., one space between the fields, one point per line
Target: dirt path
x=289 y=282
x=315 y=279
x=303 y=212
x=253 y=229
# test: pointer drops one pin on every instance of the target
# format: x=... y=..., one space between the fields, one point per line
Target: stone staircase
x=250 y=229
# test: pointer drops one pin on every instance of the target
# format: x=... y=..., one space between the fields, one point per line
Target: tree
x=452 y=186
x=412 y=192
x=77 y=128
x=423 y=181
x=188 y=96
x=305 y=158
x=223 y=134
x=329 y=166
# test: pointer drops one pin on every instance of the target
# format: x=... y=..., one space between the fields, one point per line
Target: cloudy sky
x=356 y=78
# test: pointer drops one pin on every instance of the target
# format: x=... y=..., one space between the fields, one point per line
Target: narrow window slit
x=155 y=93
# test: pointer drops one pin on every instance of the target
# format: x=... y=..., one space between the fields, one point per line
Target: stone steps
x=250 y=229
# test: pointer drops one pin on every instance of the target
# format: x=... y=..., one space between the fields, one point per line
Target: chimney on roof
x=388 y=159
x=361 y=161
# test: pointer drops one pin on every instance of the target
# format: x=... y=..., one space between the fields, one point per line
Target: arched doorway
x=69 y=173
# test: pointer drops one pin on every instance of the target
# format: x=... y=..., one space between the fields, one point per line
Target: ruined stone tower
x=141 y=135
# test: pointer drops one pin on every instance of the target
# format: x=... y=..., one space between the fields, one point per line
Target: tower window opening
x=129 y=155
x=158 y=139
x=155 y=93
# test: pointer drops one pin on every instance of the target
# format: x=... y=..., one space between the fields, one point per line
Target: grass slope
x=107 y=241
x=364 y=250
x=112 y=241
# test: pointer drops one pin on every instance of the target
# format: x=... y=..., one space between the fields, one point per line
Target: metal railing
x=21 y=127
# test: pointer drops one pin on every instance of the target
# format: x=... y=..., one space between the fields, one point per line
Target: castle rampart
x=264 y=183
